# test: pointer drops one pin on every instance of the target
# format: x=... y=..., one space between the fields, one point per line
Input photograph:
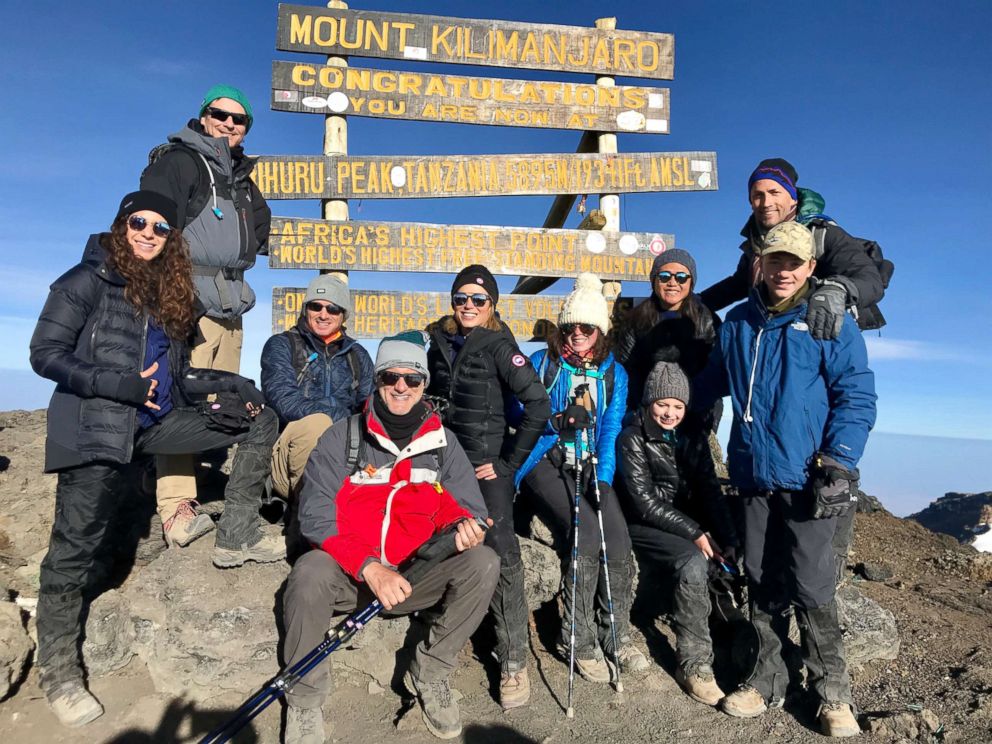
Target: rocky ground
x=177 y=644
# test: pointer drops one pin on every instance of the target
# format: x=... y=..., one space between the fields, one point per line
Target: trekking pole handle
x=436 y=549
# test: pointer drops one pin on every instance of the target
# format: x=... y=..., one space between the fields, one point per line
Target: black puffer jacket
x=674 y=340
x=844 y=258
x=666 y=480
x=91 y=342
x=480 y=385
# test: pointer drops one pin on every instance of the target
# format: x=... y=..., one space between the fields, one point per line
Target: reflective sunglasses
x=315 y=307
x=139 y=223
x=412 y=379
x=221 y=115
x=478 y=300
x=666 y=276
x=587 y=328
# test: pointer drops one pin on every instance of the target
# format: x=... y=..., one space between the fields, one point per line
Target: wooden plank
x=384 y=313
x=304 y=243
x=394 y=94
x=487 y=43
x=428 y=176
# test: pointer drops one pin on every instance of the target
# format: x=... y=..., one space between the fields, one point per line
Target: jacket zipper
x=750 y=382
x=141 y=367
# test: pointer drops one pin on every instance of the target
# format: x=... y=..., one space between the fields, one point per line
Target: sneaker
x=186 y=525
x=632 y=659
x=73 y=705
x=440 y=711
x=594 y=669
x=699 y=684
x=304 y=726
x=514 y=689
x=837 y=720
x=267 y=550
x=744 y=702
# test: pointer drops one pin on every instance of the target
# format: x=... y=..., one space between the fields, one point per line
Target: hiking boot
x=186 y=525
x=267 y=550
x=440 y=711
x=837 y=719
x=632 y=659
x=304 y=726
x=699 y=684
x=73 y=705
x=594 y=669
x=744 y=702
x=514 y=689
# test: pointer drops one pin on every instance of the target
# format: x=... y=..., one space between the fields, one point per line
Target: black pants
x=86 y=497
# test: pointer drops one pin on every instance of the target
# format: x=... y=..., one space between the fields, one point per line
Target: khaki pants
x=219 y=347
x=292 y=450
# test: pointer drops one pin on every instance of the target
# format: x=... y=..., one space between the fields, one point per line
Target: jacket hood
x=227 y=161
x=95 y=257
x=810 y=206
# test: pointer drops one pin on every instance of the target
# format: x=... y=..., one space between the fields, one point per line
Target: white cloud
x=893 y=349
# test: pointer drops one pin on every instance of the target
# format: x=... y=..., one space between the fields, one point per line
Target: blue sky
x=882 y=107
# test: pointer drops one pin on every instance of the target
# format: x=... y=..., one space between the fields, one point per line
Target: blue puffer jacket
x=326 y=385
x=793 y=396
x=609 y=414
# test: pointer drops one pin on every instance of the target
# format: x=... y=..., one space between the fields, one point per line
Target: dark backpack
x=203 y=191
x=885 y=267
x=302 y=353
x=549 y=375
x=356 y=459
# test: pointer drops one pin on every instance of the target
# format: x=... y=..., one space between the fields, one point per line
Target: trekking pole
x=593 y=459
x=436 y=549
x=577 y=445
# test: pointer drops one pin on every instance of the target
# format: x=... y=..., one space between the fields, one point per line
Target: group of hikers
x=605 y=433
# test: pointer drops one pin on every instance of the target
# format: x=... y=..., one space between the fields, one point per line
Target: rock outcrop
x=15 y=647
x=958 y=514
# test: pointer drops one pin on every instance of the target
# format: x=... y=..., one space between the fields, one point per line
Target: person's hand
x=835 y=488
x=703 y=543
x=389 y=587
x=151 y=388
x=469 y=534
x=486 y=471
x=253 y=409
x=827 y=305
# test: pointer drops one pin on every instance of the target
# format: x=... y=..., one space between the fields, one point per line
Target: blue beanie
x=227 y=91
x=778 y=170
x=674 y=255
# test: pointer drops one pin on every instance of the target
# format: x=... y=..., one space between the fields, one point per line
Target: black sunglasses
x=138 y=223
x=412 y=379
x=666 y=276
x=222 y=115
x=587 y=328
x=315 y=307
x=478 y=300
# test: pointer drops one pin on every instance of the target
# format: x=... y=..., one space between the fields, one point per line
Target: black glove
x=134 y=389
x=827 y=304
x=835 y=488
x=249 y=393
x=570 y=421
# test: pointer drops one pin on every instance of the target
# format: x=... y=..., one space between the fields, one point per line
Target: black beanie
x=477 y=274
x=778 y=170
x=153 y=201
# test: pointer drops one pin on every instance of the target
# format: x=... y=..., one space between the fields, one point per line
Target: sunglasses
x=478 y=300
x=666 y=276
x=412 y=379
x=315 y=307
x=587 y=328
x=221 y=115
x=138 y=224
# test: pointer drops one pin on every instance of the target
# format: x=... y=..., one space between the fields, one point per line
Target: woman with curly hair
x=112 y=335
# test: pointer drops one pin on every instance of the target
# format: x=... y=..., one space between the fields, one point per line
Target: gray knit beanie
x=329 y=288
x=666 y=380
x=407 y=349
x=675 y=255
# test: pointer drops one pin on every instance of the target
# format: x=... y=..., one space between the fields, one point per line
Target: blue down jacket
x=609 y=413
x=793 y=396
x=326 y=385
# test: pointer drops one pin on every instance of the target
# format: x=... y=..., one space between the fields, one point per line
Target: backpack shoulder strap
x=356 y=444
x=355 y=367
x=299 y=347
x=206 y=187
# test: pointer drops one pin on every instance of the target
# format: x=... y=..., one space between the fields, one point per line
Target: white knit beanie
x=586 y=304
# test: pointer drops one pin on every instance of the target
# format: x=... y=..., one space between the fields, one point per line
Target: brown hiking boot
x=700 y=685
x=438 y=706
x=72 y=703
x=837 y=720
x=304 y=726
x=269 y=549
x=594 y=670
x=744 y=702
x=186 y=525
x=514 y=689
x=632 y=659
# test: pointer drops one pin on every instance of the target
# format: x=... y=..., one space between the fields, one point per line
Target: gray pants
x=318 y=588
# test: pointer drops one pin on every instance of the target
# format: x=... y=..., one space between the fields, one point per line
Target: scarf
x=399 y=427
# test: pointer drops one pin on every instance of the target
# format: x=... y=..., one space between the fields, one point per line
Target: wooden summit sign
x=303 y=243
x=427 y=38
x=377 y=314
x=391 y=94
x=403 y=176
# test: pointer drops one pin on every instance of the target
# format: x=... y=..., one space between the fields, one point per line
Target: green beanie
x=227 y=91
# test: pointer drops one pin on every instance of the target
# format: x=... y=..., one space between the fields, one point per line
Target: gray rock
x=110 y=634
x=542 y=572
x=870 y=630
x=15 y=647
x=873 y=571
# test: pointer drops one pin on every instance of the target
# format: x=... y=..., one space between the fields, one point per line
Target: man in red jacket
x=367 y=511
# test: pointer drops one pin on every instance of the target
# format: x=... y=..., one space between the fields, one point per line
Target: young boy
x=802 y=412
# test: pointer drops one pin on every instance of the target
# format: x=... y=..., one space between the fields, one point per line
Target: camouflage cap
x=789 y=237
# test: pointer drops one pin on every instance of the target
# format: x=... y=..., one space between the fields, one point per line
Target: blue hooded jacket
x=609 y=415
x=792 y=395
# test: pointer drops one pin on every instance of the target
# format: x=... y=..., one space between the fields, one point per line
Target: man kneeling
x=367 y=504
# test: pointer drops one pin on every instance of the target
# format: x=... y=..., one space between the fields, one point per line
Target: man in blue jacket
x=313 y=375
x=803 y=408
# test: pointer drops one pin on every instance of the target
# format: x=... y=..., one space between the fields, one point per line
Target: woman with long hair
x=112 y=335
x=579 y=372
x=476 y=365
